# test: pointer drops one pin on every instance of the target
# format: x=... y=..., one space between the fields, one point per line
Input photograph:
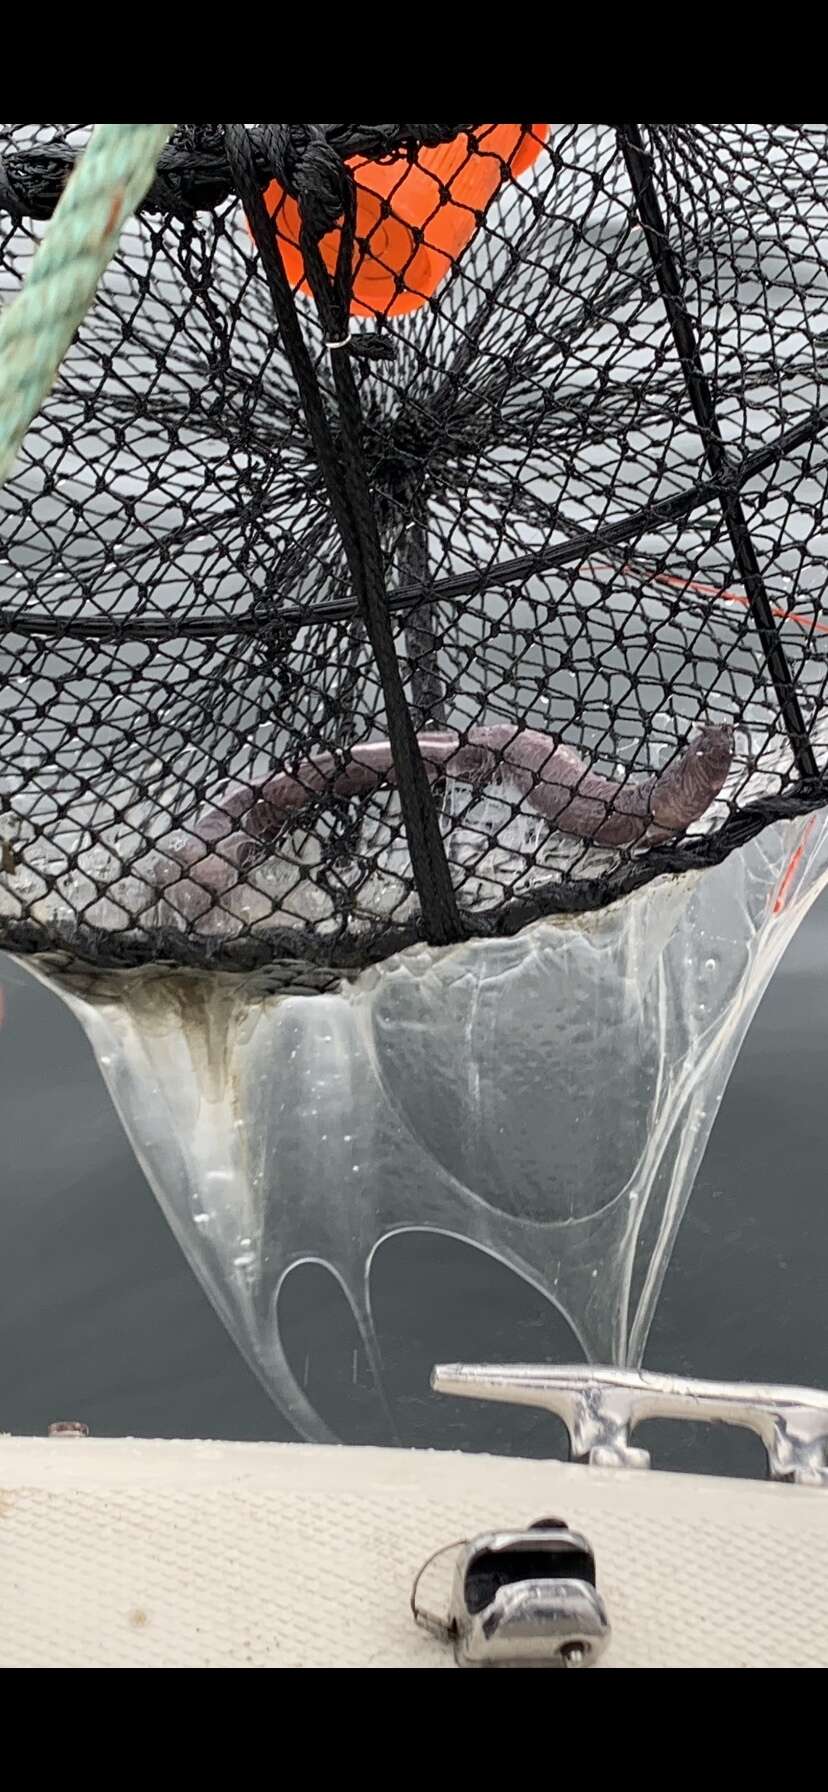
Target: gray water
x=101 y=1318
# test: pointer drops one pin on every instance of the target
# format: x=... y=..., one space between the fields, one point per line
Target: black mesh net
x=425 y=534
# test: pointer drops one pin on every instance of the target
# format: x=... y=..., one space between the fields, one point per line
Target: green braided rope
x=36 y=329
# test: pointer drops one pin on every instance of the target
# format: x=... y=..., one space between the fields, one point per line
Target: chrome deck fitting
x=601 y=1408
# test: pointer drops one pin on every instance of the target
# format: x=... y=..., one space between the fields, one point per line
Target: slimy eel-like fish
x=549 y=775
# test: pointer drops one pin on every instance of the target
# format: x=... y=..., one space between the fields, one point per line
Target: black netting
x=543 y=491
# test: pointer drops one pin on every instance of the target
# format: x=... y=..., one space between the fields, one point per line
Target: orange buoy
x=414 y=219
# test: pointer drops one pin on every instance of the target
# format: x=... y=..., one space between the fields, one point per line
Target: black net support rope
x=425 y=535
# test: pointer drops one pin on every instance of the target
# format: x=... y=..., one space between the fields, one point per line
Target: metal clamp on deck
x=528 y=1599
x=601 y=1408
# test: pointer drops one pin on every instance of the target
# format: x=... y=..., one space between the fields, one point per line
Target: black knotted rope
x=193 y=172
x=323 y=185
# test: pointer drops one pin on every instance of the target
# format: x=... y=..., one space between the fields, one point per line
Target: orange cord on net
x=414 y=218
x=719 y=592
x=733 y=597
x=794 y=862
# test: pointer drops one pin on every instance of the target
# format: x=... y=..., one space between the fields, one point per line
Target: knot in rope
x=311 y=171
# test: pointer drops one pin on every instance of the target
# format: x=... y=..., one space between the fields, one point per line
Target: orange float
x=414 y=219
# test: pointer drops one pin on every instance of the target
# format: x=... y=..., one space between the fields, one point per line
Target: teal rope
x=36 y=329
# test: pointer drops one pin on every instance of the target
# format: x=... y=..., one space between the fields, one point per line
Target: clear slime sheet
x=547 y=1098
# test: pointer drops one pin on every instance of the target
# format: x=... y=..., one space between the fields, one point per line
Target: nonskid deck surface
x=165 y=1554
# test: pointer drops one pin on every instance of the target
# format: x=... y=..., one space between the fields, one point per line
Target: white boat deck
x=157 y=1554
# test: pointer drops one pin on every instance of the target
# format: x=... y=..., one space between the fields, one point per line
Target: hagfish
x=548 y=774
